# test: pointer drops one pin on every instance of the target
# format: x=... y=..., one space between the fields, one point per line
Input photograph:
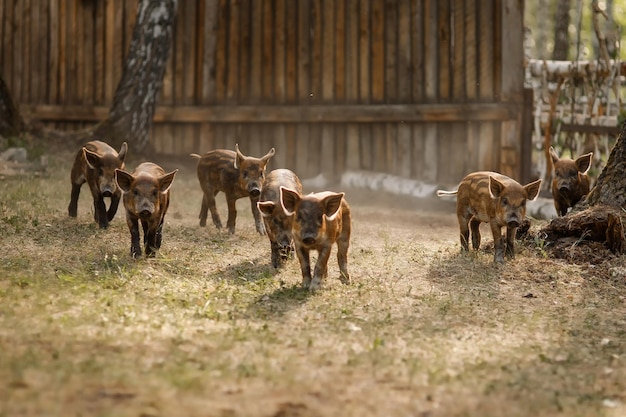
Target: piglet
x=570 y=182
x=95 y=164
x=321 y=219
x=277 y=223
x=489 y=197
x=146 y=199
x=237 y=176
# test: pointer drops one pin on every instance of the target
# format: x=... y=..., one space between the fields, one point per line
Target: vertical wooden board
x=26 y=42
x=99 y=49
x=458 y=50
x=352 y=52
x=511 y=147
x=290 y=146
x=391 y=51
x=302 y=152
x=340 y=150
x=446 y=155
x=418 y=170
x=52 y=81
x=304 y=52
x=353 y=147
x=391 y=148
x=119 y=51
x=207 y=141
x=221 y=48
x=38 y=50
x=189 y=53
x=109 y=56
x=431 y=50
x=486 y=52
x=327 y=39
x=234 y=45
x=245 y=50
x=339 y=89
x=418 y=44
x=460 y=147
x=379 y=147
x=81 y=49
x=366 y=148
x=178 y=52
x=405 y=70
x=267 y=69
x=18 y=59
x=291 y=51
x=88 y=61
x=404 y=150
x=364 y=53
x=511 y=25
x=62 y=28
x=4 y=51
x=444 y=41
x=430 y=156
x=280 y=78
x=470 y=46
x=72 y=48
x=487 y=148
x=7 y=43
x=209 y=38
x=278 y=140
x=327 y=151
x=256 y=62
x=498 y=36
x=473 y=146
x=314 y=146
x=317 y=58
x=378 y=51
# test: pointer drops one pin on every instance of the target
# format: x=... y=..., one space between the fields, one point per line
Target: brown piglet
x=95 y=164
x=320 y=220
x=146 y=199
x=570 y=182
x=237 y=176
x=489 y=197
x=277 y=223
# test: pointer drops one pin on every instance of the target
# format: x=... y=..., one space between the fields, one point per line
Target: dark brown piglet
x=237 y=176
x=146 y=199
x=489 y=197
x=95 y=164
x=277 y=223
x=570 y=182
x=321 y=219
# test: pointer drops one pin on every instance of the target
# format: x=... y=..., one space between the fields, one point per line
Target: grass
x=209 y=328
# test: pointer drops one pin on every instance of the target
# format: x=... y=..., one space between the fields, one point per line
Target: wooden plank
x=27 y=46
x=245 y=51
x=299 y=114
x=268 y=51
x=302 y=152
x=38 y=50
x=404 y=150
x=391 y=148
x=339 y=87
x=444 y=47
x=99 y=49
x=378 y=51
x=317 y=59
x=5 y=52
x=18 y=64
x=234 y=45
x=326 y=149
x=340 y=151
x=431 y=49
x=62 y=92
x=304 y=58
x=364 y=52
x=470 y=47
x=417 y=151
x=221 y=47
x=405 y=71
x=291 y=148
x=291 y=54
x=327 y=39
x=417 y=49
x=365 y=145
x=190 y=132
x=279 y=75
x=379 y=147
x=211 y=13
x=353 y=148
x=109 y=56
x=88 y=55
x=256 y=61
x=391 y=51
x=430 y=158
x=178 y=54
x=473 y=146
x=485 y=51
x=458 y=50
x=119 y=51
x=80 y=48
x=352 y=53
x=53 y=63
x=512 y=68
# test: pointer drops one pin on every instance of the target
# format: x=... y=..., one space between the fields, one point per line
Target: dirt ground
x=209 y=328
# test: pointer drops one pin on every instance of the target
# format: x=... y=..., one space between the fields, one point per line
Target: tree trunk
x=130 y=117
x=11 y=123
x=561 y=30
x=600 y=216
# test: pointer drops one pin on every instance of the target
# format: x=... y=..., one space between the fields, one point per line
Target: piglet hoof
x=315 y=285
x=345 y=278
x=260 y=227
x=135 y=253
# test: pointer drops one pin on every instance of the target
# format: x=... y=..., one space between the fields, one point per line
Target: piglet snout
x=254 y=191
x=145 y=214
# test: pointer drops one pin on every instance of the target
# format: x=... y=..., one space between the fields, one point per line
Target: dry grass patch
x=209 y=328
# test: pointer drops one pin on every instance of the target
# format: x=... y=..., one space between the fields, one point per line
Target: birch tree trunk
x=561 y=30
x=130 y=117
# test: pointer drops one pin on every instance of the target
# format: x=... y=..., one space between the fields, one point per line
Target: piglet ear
x=331 y=204
x=123 y=180
x=583 y=162
x=165 y=181
x=92 y=158
x=532 y=189
x=553 y=155
x=495 y=187
x=289 y=200
x=239 y=158
x=268 y=155
x=266 y=208
x=121 y=155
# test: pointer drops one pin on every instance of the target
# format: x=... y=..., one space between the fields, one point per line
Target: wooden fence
x=426 y=89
